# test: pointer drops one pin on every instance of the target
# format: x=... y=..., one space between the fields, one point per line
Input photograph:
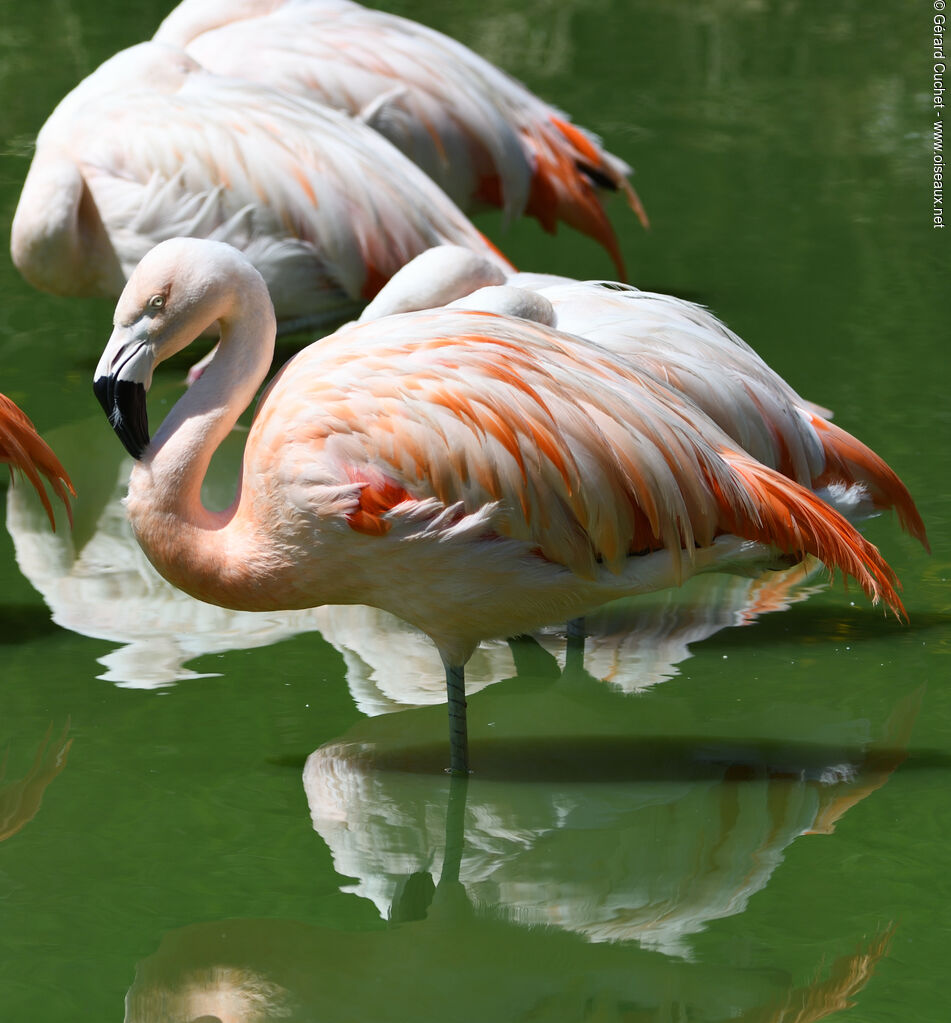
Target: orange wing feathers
x=22 y=447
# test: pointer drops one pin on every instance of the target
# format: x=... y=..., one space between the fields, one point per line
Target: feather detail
x=157 y=147
x=796 y=521
x=476 y=131
x=850 y=461
x=22 y=447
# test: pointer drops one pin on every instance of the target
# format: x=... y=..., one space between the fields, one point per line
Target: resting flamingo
x=151 y=146
x=686 y=345
x=481 y=135
x=475 y=474
x=23 y=448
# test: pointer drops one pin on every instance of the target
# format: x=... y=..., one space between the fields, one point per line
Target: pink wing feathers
x=480 y=134
x=323 y=207
x=698 y=355
x=578 y=453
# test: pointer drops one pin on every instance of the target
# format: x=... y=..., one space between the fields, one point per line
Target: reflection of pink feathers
x=108 y=590
x=22 y=447
x=150 y=147
x=696 y=829
x=481 y=135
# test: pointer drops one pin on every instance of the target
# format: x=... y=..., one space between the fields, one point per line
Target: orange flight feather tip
x=23 y=448
x=794 y=519
x=850 y=461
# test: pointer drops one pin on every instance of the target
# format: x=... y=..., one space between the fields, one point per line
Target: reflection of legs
x=574 y=644
x=455 y=830
x=416 y=895
x=458 y=732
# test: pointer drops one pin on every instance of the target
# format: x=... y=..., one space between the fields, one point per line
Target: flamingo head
x=181 y=289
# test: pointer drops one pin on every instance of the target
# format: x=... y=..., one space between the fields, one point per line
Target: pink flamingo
x=473 y=473
x=151 y=146
x=690 y=349
x=23 y=448
x=481 y=135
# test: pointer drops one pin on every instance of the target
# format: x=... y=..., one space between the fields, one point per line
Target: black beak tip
x=123 y=401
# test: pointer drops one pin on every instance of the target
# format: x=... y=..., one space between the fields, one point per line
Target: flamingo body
x=473 y=473
x=481 y=135
x=683 y=344
x=151 y=146
x=21 y=447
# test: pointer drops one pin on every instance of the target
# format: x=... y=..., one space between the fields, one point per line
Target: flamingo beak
x=122 y=378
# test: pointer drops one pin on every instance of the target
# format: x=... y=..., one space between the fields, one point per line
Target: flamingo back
x=577 y=453
x=482 y=135
x=324 y=207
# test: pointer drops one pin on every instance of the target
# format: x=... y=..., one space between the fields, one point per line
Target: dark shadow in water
x=570 y=758
x=636 y=759
x=21 y=624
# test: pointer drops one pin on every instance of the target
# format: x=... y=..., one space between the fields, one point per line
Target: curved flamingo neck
x=57 y=239
x=189 y=544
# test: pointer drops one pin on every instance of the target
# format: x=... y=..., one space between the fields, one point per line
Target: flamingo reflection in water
x=476 y=474
x=693 y=837
x=97 y=582
x=260 y=971
x=20 y=799
x=696 y=824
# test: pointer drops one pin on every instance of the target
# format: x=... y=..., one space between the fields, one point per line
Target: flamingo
x=23 y=448
x=686 y=345
x=151 y=146
x=473 y=473
x=484 y=137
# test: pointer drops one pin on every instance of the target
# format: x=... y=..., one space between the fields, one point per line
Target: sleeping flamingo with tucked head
x=482 y=136
x=151 y=146
x=473 y=473
x=23 y=448
x=686 y=345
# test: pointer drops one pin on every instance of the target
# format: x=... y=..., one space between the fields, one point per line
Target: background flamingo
x=23 y=448
x=481 y=135
x=151 y=146
x=475 y=474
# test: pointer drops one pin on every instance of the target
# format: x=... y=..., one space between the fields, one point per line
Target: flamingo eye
x=156 y=302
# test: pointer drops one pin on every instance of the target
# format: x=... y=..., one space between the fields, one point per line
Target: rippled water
x=733 y=809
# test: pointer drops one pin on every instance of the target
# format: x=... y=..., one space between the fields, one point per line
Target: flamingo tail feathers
x=795 y=520
x=22 y=447
x=570 y=169
x=849 y=461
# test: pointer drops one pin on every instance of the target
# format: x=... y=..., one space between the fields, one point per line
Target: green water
x=704 y=822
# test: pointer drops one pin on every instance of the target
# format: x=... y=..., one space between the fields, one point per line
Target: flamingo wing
x=697 y=354
x=556 y=441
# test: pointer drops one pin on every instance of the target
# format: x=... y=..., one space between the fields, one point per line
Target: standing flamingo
x=481 y=135
x=475 y=474
x=22 y=447
x=150 y=146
